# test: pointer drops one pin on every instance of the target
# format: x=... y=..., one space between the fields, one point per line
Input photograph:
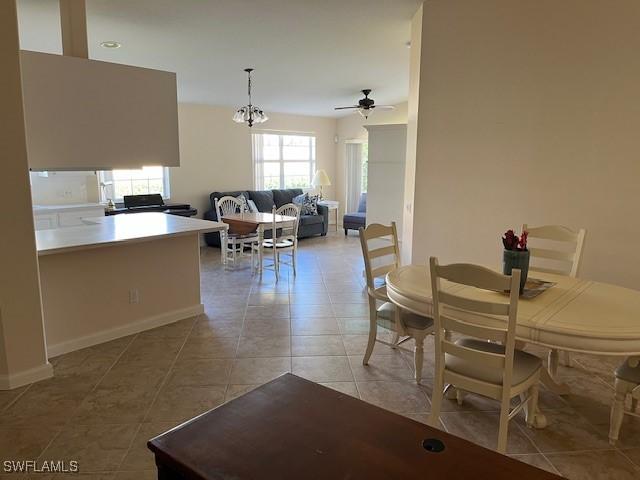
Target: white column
x=23 y=357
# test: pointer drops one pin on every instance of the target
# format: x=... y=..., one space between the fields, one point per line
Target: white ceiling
x=309 y=55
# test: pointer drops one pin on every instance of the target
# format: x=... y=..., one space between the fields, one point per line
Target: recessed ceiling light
x=110 y=44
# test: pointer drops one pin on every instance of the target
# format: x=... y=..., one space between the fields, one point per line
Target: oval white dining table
x=574 y=315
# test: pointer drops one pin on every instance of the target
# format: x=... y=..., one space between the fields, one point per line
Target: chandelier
x=249 y=114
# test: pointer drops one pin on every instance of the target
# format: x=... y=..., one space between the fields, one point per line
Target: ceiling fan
x=366 y=105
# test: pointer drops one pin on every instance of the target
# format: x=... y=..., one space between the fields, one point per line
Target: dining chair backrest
x=229 y=205
x=380 y=251
x=560 y=250
x=453 y=312
x=289 y=231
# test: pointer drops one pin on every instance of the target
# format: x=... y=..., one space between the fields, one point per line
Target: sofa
x=310 y=225
x=355 y=220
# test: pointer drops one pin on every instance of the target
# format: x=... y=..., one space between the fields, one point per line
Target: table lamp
x=321 y=179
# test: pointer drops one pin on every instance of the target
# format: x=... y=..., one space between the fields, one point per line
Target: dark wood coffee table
x=295 y=429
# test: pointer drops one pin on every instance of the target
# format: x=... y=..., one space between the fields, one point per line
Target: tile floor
x=106 y=401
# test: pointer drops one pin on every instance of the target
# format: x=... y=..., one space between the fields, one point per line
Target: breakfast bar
x=118 y=275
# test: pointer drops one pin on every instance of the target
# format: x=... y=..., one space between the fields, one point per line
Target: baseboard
x=15 y=380
x=124 y=330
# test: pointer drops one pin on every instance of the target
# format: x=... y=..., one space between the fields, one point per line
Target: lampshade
x=321 y=179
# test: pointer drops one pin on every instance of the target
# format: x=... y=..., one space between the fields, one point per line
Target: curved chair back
x=289 y=231
x=459 y=313
x=229 y=205
x=380 y=252
x=564 y=250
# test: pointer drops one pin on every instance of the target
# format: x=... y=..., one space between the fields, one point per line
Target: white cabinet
x=60 y=216
x=45 y=221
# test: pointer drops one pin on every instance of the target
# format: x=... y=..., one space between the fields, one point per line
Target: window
x=115 y=184
x=283 y=161
x=365 y=167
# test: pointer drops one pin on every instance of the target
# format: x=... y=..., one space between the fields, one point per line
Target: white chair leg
x=373 y=334
x=503 y=428
x=553 y=363
x=276 y=265
x=532 y=405
x=565 y=359
x=252 y=260
x=395 y=339
x=617 y=411
x=293 y=259
x=418 y=357
x=436 y=400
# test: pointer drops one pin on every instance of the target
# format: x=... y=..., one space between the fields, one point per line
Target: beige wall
x=215 y=155
x=96 y=284
x=412 y=136
x=216 y=152
x=528 y=112
x=23 y=357
x=351 y=127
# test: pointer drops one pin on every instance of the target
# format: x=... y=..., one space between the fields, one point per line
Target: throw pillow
x=299 y=199
x=243 y=202
x=252 y=206
x=308 y=204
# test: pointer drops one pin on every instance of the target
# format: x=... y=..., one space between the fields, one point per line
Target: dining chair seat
x=282 y=244
x=628 y=373
x=524 y=364
x=380 y=293
x=387 y=318
x=242 y=236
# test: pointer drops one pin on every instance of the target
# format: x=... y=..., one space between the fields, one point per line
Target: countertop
x=67 y=206
x=120 y=229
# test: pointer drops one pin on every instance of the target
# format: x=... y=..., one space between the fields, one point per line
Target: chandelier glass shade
x=249 y=114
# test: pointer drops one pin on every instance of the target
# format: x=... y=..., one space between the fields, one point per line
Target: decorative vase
x=516 y=259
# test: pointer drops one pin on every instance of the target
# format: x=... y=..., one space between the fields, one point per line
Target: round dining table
x=573 y=315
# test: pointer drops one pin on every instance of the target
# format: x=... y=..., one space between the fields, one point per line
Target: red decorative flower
x=511 y=241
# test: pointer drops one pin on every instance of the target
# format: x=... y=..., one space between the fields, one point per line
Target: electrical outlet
x=134 y=296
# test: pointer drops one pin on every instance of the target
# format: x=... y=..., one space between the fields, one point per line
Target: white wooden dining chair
x=284 y=238
x=559 y=251
x=379 y=261
x=232 y=245
x=627 y=388
x=485 y=361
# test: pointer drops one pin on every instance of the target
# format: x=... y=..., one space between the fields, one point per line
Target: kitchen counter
x=66 y=206
x=117 y=276
x=118 y=229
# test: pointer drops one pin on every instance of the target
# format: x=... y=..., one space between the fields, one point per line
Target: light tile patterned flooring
x=105 y=402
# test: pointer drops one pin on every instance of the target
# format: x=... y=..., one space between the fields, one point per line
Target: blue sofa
x=265 y=200
x=355 y=220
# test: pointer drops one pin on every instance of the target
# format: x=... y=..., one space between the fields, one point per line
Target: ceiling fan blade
x=343 y=108
x=383 y=107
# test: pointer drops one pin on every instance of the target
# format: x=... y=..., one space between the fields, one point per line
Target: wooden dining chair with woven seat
x=627 y=389
x=484 y=361
x=558 y=250
x=284 y=239
x=232 y=244
x=378 y=261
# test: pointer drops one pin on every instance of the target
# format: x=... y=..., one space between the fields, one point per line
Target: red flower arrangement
x=512 y=242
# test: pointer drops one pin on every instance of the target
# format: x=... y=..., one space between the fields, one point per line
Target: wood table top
x=292 y=428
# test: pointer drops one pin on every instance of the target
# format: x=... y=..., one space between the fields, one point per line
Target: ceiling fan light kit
x=366 y=105
x=249 y=114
